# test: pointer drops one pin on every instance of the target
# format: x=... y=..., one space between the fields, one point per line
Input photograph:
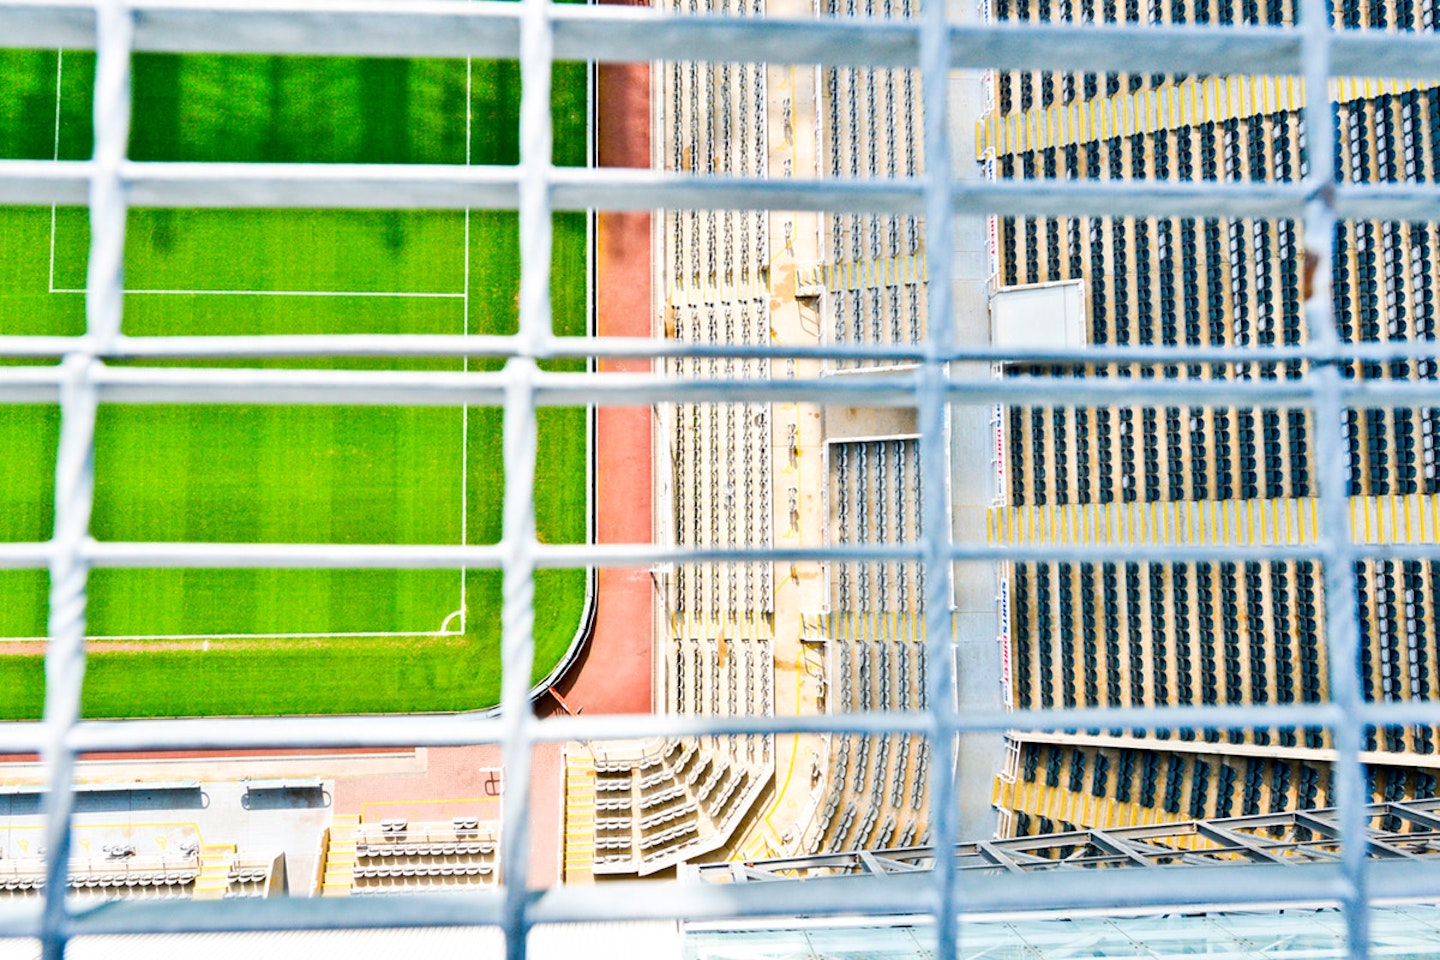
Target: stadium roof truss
x=1409 y=830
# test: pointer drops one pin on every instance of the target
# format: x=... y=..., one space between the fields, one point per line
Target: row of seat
x=34 y=880
x=876 y=494
x=887 y=767
x=1148 y=784
x=138 y=877
x=426 y=883
x=369 y=871
x=718 y=125
x=461 y=849
x=721 y=675
x=1246 y=633
x=1188 y=455
x=684 y=796
x=871 y=123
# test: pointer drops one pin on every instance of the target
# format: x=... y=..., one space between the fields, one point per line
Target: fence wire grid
x=537 y=33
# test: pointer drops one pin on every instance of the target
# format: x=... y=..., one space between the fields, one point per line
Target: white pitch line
x=59 y=68
x=281 y=293
x=247 y=636
x=463 y=296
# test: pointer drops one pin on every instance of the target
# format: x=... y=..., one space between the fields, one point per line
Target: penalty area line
x=250 y=636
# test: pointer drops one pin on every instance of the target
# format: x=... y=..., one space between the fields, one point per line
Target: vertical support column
x=517 y=650
x=1337 y=548
x=934 y=467
x=75 y=457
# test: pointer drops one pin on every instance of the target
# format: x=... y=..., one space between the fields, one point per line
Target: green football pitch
x=243 y=642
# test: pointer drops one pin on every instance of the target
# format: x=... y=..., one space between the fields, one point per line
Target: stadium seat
x=1250 y=794
x=1062 y=459
x=1089 y=644
x=1065 y=586
x=1125 y=775
x=1162 y=680
x=1149 y=778
x=1100 y=775
x=1279 y=787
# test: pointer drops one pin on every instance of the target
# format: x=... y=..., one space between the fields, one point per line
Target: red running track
x=613 y=674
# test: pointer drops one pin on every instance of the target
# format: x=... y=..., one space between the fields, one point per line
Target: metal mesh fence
x=936 y=380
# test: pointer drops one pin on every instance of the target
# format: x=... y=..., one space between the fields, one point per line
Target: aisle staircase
x=214 y=876
x=579 y=819
x=338 y=870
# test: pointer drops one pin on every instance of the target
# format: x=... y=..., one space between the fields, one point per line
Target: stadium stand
x=657 y=804
x=397 y=856
x=875 y=654
x=1250 y=632
x=194 y=872
x=864 y=645
x=870 y=127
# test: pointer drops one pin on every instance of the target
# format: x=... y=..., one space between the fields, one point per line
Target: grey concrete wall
x=972 y=486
